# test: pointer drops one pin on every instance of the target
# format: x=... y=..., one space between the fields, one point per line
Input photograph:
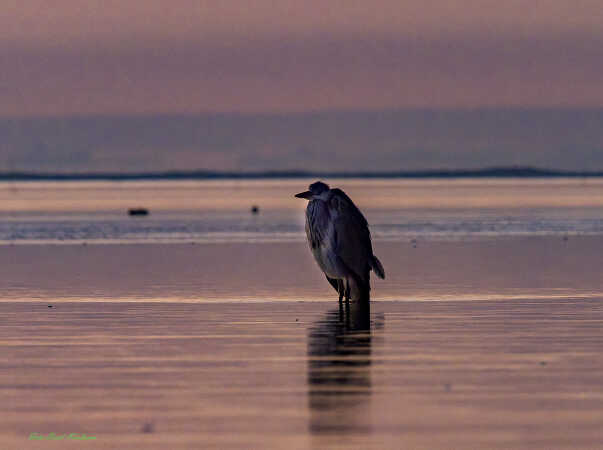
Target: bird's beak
x=307 y=195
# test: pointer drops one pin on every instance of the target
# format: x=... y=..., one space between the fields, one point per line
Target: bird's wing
x=353 y=217
x=352 y=235
x=333 y=282
x=346 y=203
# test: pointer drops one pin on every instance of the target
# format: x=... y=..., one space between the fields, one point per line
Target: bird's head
x=315 y=190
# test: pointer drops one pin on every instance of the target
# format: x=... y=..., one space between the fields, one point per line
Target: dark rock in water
x=255 y=209
x=138 y=212
x=50 y=306
x=148 y=427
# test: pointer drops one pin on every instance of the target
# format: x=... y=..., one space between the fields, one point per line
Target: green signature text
x=58 y=437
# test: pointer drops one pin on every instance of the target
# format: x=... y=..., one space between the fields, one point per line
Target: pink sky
x=72 y=57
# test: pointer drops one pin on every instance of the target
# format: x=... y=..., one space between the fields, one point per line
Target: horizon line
x=200 y=174
x=269 y=113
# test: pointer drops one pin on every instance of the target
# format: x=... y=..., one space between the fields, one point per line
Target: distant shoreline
x=495 y=172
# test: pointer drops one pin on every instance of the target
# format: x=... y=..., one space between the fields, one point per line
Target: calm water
x=219 y=211
x=447 y=375
x=438 y=240
x=204 y=326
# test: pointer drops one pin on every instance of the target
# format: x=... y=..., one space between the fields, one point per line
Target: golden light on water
x=73 y=197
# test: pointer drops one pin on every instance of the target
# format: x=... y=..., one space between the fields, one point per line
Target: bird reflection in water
x=339 y=377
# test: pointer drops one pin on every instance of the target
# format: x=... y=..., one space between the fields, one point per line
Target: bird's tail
x=377 y=267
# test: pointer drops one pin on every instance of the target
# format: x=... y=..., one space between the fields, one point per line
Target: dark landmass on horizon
x=492 y=172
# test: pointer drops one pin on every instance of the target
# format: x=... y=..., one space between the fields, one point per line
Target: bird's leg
x=347 y=292
x=340 y=291
x=347 y=303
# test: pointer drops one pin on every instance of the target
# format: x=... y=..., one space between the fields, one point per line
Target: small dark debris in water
x=255 y=209
x=565 y=238
x=138 y=212
x=50 y=306
x=297 y=320
x=543 y=363
x=148 y=427
x=447 y=387
x=414 y=243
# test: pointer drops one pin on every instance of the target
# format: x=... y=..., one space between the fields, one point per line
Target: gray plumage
x=340 y=241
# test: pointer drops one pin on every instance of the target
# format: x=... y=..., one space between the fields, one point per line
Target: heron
x=340 y=241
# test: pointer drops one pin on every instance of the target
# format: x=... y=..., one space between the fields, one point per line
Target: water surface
x=204 y=326
x=219 y=211
x=490 y=374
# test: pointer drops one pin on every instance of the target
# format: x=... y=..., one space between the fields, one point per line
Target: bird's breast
x=327 y=253
x=320 y=229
